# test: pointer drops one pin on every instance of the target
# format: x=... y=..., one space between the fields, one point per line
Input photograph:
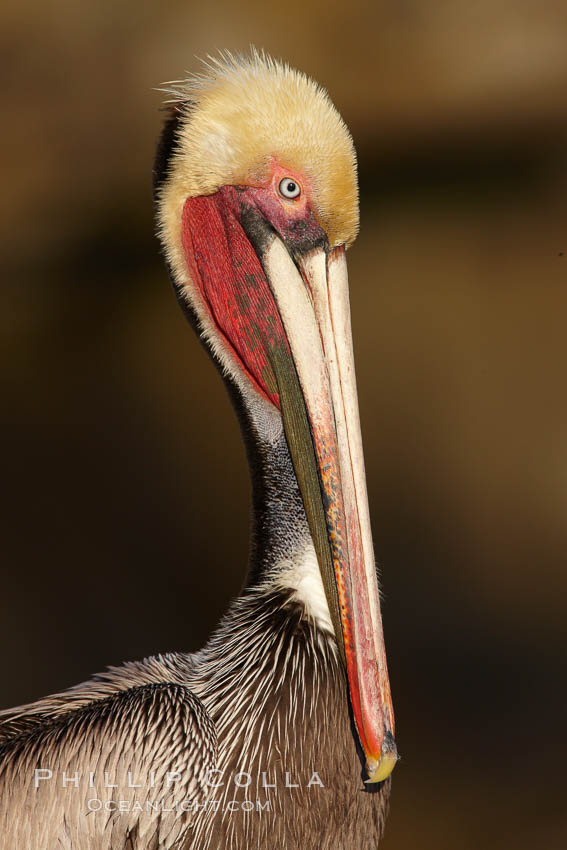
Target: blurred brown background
x=125 y=482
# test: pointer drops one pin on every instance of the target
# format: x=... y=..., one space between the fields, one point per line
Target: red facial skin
x=294 y=219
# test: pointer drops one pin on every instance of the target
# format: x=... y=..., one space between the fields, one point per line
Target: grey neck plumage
x=279 y=526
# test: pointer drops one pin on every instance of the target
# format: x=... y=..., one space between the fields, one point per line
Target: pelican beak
x=313 y=304
x=284 y=312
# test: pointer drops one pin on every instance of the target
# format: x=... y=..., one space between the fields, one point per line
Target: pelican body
x=279 y=733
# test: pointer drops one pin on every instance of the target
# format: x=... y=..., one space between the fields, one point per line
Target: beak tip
x=379 y=769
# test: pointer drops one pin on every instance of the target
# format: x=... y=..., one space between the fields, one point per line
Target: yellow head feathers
x=243 y=112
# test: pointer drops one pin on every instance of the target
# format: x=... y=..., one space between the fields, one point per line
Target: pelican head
x=258 y=205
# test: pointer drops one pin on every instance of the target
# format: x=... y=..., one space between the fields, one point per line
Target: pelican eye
x=289 y=188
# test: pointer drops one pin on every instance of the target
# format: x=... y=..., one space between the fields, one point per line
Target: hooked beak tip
x=379 y=769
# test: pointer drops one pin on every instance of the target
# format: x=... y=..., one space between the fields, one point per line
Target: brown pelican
x=279 y=733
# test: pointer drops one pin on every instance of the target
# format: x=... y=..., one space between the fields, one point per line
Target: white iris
x=289 y=188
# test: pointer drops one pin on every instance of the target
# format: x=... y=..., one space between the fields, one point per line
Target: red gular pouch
x=227 y=272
